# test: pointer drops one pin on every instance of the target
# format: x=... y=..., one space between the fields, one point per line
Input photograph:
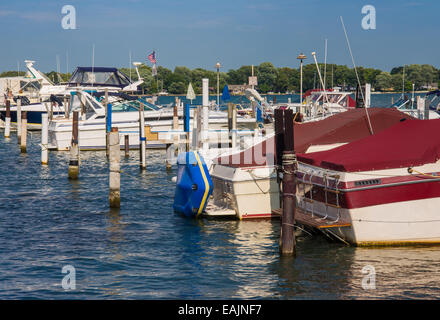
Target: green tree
x=267 y=75
x=383 y=81
x=12 y=74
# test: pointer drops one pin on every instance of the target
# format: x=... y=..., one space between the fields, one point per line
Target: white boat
x=53 y=99
x=246 y=183
x=125 y=116
x=380 y=190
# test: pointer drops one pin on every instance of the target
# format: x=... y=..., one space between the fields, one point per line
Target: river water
x=146 y=251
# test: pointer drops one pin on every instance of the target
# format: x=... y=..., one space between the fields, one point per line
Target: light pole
x=301 y=57
x=218 y=65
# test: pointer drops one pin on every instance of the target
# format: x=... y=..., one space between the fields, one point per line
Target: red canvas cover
x=343 y=127
x=406 y=144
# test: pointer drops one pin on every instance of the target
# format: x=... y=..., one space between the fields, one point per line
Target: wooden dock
x=318 y=222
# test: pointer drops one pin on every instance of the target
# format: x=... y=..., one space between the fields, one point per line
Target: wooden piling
x=44 y=139
x=142 y=138
x=186 y=122
x=234 y=127
x=127 y=145
x=287 y=238
x=19 y=121
x=169 y=155
x=107 y=127
x=74 y=149
x=115 y=172
x=23 y=139
x=175 y=128
x=66 y=108
x=8 y=119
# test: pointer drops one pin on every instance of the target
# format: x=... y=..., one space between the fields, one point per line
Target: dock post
x=127 y=145
x=176 y=128
x=66 y=108
x=23 y=131
x=169 y=155
x=108 y=126
x=229 y=124
x=426 y=109
x=234 y=126
x=197 y=121
x=44 y=139
x=74 y=149
x=8 y=119
x=205 y=112
x=142 y=138
x=115 y=172
x=19 y=121
x=186 y=127
x=287 y=238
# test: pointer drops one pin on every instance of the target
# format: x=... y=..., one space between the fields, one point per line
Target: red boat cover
x=343 y=127
x=406 y=144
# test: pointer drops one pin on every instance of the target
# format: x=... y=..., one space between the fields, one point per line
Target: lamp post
x=218 y=65
x=301 y=57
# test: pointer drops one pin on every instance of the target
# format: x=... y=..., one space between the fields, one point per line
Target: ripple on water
x=145 y=251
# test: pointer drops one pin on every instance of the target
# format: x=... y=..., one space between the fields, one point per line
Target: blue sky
x=198 y=33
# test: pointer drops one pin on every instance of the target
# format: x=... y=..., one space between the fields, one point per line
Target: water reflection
x=116 y=237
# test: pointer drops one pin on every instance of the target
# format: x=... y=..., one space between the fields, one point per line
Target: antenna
x=319 y=73
x=93 y=64
x=67 y=62
x=129 y=64
x=403 y=82
x=325 y=66
x=357 y=76
x=136 y=65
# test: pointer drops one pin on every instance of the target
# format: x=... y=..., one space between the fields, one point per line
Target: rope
x=255 y=181
x=357 y=77
x=411 y=170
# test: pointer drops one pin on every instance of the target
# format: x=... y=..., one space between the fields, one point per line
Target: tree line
x=277 y=80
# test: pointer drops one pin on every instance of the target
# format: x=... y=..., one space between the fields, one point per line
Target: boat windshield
x=134 y=105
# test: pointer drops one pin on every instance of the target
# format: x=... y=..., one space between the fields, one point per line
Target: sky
x=198 y=33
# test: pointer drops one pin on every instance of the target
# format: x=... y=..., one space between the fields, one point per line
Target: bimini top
x=343 y=127
x=99 y=76
x=406 y=144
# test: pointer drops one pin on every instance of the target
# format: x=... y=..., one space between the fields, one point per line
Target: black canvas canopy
x=99 y=76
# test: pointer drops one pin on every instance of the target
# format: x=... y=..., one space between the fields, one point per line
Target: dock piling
x=23 y=139
x=169 y=155
x=186 y=117
x=234 y=127
x=176 y=128
x=74 y=149
x=44 y=139
x=108 y=126
x=115 y=172
x=284 y=130
x=127 y=145
x=8 y=119
x=19 y=121
x=142 y=138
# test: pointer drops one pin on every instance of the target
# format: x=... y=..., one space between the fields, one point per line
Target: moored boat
x=246 y=184
x=380 y=190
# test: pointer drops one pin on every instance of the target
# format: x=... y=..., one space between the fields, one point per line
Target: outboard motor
x=194 y=185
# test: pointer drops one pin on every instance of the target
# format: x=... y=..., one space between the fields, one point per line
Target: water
x=377 y=100
x=145 y=251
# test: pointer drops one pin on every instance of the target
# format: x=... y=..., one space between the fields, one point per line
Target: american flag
x=152 y=57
